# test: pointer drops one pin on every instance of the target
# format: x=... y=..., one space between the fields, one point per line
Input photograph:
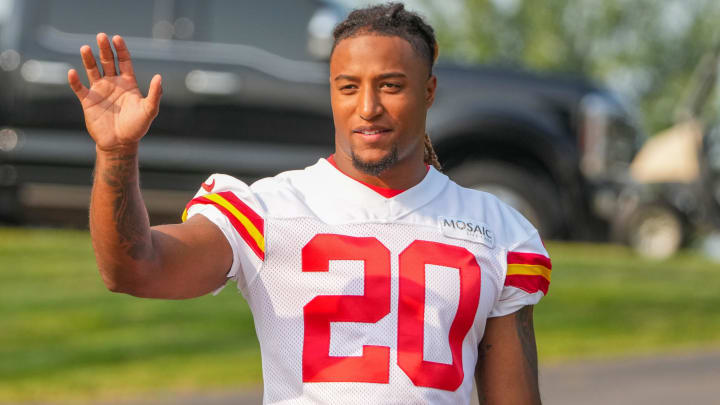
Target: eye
x=391 y=86
x=348 y=88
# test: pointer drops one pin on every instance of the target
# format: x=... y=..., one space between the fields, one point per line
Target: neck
x=403 y=175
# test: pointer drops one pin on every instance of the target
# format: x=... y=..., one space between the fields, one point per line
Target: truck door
x=54 y=30
x=251 y=76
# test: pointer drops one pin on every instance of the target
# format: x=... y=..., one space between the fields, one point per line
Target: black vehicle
x=247 y=93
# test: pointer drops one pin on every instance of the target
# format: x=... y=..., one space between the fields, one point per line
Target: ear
x=430 y=87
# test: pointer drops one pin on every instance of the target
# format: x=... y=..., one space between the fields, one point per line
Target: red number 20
x=373 y=365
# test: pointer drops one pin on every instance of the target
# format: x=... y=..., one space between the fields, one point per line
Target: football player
x=371 y=276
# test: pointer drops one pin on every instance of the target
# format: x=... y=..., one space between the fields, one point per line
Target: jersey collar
x=383 y=191
x=338 y=198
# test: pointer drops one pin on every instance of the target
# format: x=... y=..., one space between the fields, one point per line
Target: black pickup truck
x=247 y=93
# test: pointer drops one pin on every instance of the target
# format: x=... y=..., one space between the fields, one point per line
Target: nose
x=369 y=104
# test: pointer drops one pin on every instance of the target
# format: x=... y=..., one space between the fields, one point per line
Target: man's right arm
x=168 y=261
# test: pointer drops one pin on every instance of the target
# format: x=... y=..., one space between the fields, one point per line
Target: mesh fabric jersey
x=362 y=299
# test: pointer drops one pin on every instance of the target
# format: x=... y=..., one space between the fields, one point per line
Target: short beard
x=375 y=168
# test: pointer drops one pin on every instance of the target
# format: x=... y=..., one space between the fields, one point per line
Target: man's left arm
x=507 y=371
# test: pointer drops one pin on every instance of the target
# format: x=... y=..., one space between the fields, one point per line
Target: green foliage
x=646 y=50
x=65 y=338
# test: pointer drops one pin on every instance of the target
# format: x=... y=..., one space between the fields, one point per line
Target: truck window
x=127 y=17
x=258 y=24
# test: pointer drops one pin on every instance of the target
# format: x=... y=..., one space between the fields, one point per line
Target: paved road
x=686 y=380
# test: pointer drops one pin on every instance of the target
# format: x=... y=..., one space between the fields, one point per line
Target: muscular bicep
x=506 y=371
x=194 y=259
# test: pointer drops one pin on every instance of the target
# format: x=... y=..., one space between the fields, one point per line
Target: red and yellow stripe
x=248 y=224
x=528 y=271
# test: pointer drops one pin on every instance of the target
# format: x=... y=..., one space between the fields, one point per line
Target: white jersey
x=362 y=299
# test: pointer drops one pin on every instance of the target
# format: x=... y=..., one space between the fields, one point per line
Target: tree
x=645 y=50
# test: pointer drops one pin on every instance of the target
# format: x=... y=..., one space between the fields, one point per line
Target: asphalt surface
x=692 y=379
x=686 y=380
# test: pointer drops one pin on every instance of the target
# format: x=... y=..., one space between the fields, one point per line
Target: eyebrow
x=382 y=76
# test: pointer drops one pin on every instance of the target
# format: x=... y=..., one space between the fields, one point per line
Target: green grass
x=604 y=301
x=64 y=338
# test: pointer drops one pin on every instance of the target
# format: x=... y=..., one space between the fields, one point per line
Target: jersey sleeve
x=231 y=205
x=527 y=278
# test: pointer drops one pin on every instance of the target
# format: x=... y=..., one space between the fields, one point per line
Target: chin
x=375 y=163
x=370 y=156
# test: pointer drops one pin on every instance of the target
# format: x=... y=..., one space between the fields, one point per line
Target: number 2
x=374 y=363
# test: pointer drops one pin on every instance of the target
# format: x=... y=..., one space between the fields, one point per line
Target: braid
x=430 y=155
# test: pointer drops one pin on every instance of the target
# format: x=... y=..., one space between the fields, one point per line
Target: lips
x=371 y=130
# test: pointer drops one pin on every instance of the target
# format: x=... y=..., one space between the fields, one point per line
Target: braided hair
x=392 y=19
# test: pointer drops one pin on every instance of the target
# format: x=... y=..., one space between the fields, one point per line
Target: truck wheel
x=10 y=211
x=654 y=231
x=531 y=195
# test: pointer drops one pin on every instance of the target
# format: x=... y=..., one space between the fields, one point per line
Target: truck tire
x=655 y=231
x=533 y=196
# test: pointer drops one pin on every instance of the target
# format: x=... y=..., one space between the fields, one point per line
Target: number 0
x=374 y=364
x=411 y=315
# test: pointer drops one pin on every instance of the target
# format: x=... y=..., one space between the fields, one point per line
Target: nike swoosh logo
x=208 y=187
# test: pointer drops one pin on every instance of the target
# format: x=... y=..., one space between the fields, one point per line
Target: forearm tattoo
x=129 y=216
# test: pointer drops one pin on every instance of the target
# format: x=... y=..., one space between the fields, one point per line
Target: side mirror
x=320 y=29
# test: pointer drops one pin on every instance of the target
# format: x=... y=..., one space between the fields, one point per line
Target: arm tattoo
x=522 y=369
x=128 y=215
x=526 y=334
x=483 y=350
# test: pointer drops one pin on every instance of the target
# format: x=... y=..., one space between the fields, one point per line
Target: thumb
x=152 y=101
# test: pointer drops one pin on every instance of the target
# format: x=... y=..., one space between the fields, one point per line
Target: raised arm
x=169 y=261
x=507 y=372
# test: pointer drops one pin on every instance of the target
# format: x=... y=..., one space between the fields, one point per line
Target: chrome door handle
x=212 y=82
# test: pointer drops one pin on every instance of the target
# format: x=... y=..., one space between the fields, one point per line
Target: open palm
x=116 y=113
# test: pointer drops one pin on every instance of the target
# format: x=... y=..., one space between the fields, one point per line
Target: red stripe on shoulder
x=241 y=230
x=528 y=258
x=198 y=200
x=256 y=219
x=528 y=283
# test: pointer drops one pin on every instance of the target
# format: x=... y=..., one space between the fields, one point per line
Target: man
x=371 y=276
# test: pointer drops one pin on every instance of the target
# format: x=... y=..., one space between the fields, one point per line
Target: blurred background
x=597 y=120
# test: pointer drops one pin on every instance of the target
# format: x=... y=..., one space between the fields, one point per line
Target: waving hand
x=116 y=113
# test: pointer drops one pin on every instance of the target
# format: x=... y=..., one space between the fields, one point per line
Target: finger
x=107 y=58
x=88 y=60
x=124 y=61
x=152 y=101
x=76 y=85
